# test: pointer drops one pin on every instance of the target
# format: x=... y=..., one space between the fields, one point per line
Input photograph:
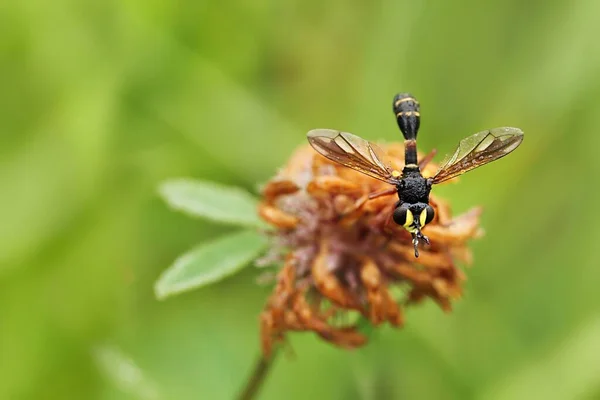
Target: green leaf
x=209 y=263
x=210 y=200
x=124 y=373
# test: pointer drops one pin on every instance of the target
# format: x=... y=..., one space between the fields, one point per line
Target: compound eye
x=402 y=216
x=427 y=215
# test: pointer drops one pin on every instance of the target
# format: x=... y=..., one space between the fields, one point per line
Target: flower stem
x=259 y=374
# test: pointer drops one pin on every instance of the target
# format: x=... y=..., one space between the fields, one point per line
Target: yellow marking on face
x=396 y=174
x=411 y=165
x=412 y=229
x=398 y=102
x=409 y=220
x=423 y=217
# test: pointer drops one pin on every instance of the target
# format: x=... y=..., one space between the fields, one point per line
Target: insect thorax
x=414 y=188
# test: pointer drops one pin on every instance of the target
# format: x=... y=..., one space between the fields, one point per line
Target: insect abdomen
x=406 y=109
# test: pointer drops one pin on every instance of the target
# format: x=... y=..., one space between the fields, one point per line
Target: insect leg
x=389 y=191
x=345 y=207
x=427 y=159
x=358 y=204
x=417 y=237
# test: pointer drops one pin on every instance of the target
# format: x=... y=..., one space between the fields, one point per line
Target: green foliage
x=122 y=372
x=209 y=263
x=212 y=201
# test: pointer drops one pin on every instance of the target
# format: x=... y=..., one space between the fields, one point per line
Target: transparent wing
x=353 y=152
x=477 y=150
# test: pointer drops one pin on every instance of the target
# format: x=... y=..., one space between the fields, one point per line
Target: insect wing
x=479 y=149
x=352 y=152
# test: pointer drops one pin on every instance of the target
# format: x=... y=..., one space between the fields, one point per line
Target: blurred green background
x=101 y=101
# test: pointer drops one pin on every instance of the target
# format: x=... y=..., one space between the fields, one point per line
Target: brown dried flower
x=341 y=254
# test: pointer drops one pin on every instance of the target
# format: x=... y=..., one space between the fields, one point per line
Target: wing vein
x=474 y=151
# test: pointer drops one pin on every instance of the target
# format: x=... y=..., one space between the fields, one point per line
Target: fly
x=413 y=211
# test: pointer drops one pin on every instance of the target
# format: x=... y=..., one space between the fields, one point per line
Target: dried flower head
x=341 y=254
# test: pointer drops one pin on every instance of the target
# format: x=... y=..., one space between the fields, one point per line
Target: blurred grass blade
x=209 y=263
x=210 y=200
x=124 y=373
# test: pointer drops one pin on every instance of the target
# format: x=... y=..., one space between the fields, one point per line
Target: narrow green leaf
x=124 y=373
x=209 y=263
x=210 y=200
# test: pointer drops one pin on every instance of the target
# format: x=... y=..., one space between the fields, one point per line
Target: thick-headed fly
x=413 y=211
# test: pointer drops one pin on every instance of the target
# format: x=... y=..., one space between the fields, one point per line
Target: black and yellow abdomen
x=406 y=109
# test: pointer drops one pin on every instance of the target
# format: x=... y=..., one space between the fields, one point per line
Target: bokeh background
x=101 y=101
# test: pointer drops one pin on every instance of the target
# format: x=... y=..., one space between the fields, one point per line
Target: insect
x=413 y=211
